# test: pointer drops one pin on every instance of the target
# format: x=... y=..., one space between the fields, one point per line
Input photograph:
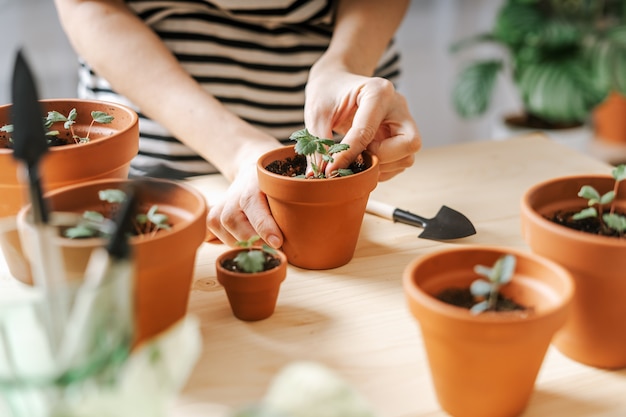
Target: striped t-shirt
x=253 y=56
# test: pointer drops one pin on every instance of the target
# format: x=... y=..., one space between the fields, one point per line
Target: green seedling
x=96 y=224
x=68 y=121
x=319 y=153
x=488 y=288
x=253 y=259
x=597 y=204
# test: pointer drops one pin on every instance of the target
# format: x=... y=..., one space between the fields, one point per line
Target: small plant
x=96 y=224
x=319 y=153
x=68 y=123
x=489 y=289
x=597 y=203
x=255 y=258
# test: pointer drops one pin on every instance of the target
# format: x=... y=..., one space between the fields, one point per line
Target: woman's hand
x=369 y=112
x=243 y=212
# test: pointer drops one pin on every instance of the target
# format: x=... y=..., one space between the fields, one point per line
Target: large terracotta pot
x=164 y=262
x=252 y=296
x=107 y=155
x=320 y=218
x=595 y=333
x=486 y=365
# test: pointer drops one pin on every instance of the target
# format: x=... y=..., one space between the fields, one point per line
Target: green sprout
x=96 y=224
x=319 y=153
x=597 y=203
x=253 y=259
x=489 y=289
x=68 y=123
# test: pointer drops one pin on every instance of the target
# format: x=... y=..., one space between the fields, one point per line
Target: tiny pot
x=164 y=262
x=485 y=365
x=252 y=296
x=320 y=218
x=595 y=333
x=107 y=155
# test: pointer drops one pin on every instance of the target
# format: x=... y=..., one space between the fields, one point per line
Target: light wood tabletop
x=354 y=319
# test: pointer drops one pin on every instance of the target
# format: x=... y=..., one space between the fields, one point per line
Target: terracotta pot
x=320 y=218
x=595 y=333
x=107 y=155
x=164 y=262
x=486 y=365
x=252 y=296
x=609 y=119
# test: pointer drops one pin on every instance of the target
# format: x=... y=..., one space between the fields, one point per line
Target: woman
x=231 y=79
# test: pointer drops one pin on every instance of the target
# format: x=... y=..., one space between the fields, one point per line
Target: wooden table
x=354 y=318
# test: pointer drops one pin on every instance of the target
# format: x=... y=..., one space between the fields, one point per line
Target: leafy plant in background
x=500 y=274
x=597 y=202
x=68 y=121
x=97 y=224
x=564 y=57
x=319 y=153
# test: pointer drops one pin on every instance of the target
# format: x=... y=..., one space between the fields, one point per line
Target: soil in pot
x=271 y=262
x=589 y=225
x=296 y=166
x=462 y=297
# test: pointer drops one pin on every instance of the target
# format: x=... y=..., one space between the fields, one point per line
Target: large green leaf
x=558 y=91
x=474 y=87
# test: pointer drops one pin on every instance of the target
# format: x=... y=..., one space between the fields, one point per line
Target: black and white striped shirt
x=253 y=56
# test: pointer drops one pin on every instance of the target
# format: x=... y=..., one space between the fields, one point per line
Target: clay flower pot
x=252 y=296
x=107 y=155
x=485 y=365
x=164 y=262
x=320 y=218
x=595 y=333
x=609 y=119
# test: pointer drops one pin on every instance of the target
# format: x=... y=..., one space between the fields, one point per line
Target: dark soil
x=462 y=297
x=60 y=140
x=271 y=262
x=292 y=167
x=534 y=122
x=589 y=225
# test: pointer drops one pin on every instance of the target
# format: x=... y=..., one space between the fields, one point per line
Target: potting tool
x=447 y=223
x=29 y=146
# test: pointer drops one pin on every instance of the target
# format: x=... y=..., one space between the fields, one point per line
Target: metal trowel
x=447 y=223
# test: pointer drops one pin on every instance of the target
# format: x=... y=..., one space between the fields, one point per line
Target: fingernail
x=274 y=241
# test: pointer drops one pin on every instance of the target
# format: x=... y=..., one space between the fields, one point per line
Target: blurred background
x=427 y=32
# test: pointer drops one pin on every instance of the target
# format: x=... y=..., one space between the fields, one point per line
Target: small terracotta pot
x=107 y=155
x=595 y=333
x=320 y=218
x=164 y=263
x=486 y=365
x=252 y=296
x=609 y=119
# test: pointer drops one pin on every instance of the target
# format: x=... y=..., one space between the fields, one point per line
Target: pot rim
x=530 y=212
x=418 y=295
x=134 y=120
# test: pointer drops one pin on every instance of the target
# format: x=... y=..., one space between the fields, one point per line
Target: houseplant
x=595 y=333
x=490 y=354
x=251 y=276
x=564 y=58
x=320 y=217
x=107 y=154
x=164 y=261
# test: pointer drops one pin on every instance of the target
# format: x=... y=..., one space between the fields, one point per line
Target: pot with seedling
x=251 y=275
x=487 y=316
x=88 y=140
x=169 y=226
x=579 y=222
x=320 y=217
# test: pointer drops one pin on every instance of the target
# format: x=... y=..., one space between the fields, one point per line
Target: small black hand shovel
x=447 y=223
